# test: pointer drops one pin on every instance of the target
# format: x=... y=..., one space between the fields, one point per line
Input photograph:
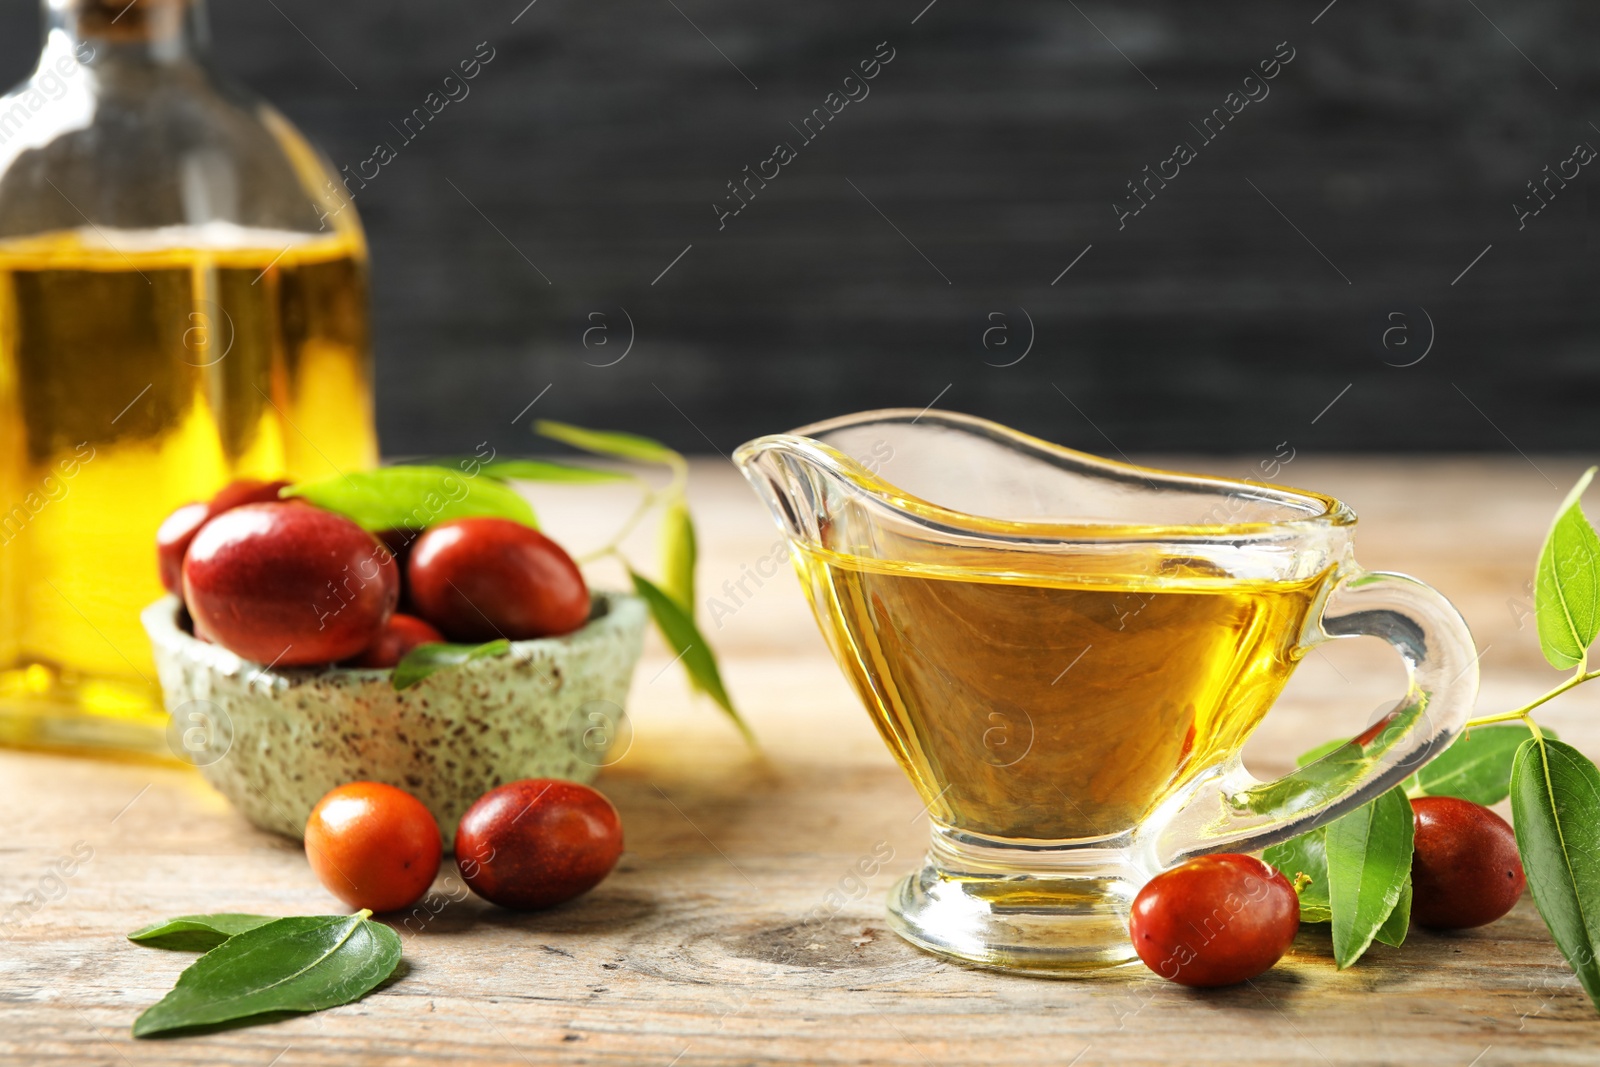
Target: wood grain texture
x=736 y=930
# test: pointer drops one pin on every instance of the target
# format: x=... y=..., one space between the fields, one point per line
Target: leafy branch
x=1566 y=599
x=671 y=599
x=1359 y=866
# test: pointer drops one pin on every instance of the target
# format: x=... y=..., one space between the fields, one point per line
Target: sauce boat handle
x=1232 y=812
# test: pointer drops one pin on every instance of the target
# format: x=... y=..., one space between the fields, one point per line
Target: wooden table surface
x=696 y=949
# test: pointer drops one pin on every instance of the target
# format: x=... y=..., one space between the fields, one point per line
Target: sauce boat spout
x=801 y=480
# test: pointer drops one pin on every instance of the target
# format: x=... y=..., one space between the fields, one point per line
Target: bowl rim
x=623 y=617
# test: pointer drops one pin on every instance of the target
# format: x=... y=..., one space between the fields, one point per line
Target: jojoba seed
x=481 y=578
x=244 y=491
x=173 y=538
x=1465 y=870
x=537 y=842
x=178 y=529
x=1215 y=920
x=288 y=583
x=399 y=635
x=373 y=846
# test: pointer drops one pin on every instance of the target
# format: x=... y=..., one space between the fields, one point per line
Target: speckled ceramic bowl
x=274 y=741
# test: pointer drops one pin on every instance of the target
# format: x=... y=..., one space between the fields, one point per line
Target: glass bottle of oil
x=183 y=301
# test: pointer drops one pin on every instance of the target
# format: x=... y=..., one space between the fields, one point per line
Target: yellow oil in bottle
x=140 y=371
x=1052 y=707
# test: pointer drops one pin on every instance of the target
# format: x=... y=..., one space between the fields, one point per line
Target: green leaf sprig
x=1369 y=871
x=1373 y=902
x=1555 y=789
x=197 y=933
x=1357 y=881
x=411 y=498
x=1555 y=808
x=672 y=599
x=677 y=626
x=262 y=968
x=425 y=659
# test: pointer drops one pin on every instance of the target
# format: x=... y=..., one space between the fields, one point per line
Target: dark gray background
x=996 y=141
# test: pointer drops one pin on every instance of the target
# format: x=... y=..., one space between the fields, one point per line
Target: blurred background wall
x=1349 y=256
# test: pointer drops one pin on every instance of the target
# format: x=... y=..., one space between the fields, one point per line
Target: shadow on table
x=452 y=911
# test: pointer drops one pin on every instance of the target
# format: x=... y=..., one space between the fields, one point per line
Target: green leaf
x=1379 y=737
x=1369 y=864
x=1329 y=771
x=1477 y=767
x=1555 y=806
x=1306 y=854
x=1394 y=928
x=413 y=498
x=538 y=470
x=425 y=659
x=302 y=963
x=678 y=555
x=1311 y=755
x=608 y=442
x=1566 y=585
x=684 y=637
x=197 y=933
